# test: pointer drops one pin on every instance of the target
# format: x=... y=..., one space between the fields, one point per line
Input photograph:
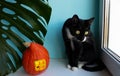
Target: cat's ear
x=75 y=18
x=89 y=21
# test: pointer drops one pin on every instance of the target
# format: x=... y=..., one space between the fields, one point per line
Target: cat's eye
x=77 y=32
x=86 y=32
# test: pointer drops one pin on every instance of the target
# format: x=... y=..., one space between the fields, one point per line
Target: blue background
x=61 y=10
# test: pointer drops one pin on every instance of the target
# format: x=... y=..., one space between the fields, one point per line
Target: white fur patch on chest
x=85 y=38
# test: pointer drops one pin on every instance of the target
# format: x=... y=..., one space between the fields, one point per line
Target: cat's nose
x=81 y=38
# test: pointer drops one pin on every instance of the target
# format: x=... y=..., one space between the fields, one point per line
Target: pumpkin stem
x=26 y=44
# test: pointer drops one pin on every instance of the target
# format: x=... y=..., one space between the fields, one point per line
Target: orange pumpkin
x=35 y=58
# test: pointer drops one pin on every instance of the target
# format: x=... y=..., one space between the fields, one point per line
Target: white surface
x=57 y=67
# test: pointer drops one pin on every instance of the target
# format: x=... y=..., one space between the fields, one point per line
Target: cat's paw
x=68 y=66
x=74 y=68
x=80 y=65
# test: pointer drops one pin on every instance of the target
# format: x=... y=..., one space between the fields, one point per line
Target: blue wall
x=61 y=10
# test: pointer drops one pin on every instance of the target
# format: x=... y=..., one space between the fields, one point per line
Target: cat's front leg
x=73 y=63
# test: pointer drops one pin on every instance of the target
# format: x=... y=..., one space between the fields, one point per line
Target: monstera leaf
x=20 y=21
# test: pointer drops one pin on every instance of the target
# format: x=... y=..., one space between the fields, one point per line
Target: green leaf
x=20 y=21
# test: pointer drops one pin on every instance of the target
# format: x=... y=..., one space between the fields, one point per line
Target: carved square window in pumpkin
x=40 y=65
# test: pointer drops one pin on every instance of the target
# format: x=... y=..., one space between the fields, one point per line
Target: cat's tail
x=93 y=66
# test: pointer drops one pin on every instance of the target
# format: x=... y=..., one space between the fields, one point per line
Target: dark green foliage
x=20 y=21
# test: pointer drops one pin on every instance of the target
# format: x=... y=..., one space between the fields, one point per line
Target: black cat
x=80 y=45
